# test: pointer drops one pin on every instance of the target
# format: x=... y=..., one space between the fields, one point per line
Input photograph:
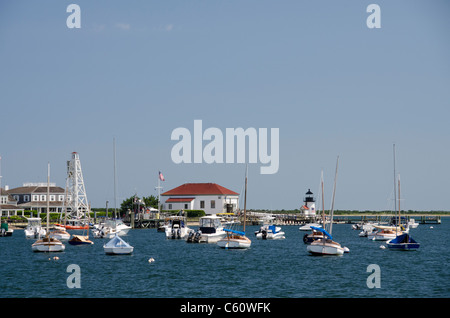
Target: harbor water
x=269 y=269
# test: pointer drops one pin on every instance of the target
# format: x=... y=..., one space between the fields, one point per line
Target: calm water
x=274 y=269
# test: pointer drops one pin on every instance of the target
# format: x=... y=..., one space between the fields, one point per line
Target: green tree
x=134 y=202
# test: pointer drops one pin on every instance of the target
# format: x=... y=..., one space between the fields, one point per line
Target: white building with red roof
x=209 y=197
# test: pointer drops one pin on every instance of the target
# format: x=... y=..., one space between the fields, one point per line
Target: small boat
x=326 y=245
x=5 y=230
x=403 y=242
x=118 y=246
x=176 y=228
x=34 y=228
x=237 y=239
x=383 y=234
x=48 y=244
x=59 y=234
x=270 y=232
x=210 y=230
x=234 y=240
x=80 y=240
x=307 y=226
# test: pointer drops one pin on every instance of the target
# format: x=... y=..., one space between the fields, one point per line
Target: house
x=209 y=197
x=33 y=196
x=8 y=205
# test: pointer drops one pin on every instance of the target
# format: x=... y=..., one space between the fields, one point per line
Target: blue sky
x=137 y=70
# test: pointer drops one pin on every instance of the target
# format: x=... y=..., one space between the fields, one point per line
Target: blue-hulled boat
x=403 y=242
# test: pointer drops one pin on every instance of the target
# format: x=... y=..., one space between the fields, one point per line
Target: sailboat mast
x=48 y=194
x=245 y=197
x=115 y=190
x=398 y=221
x=323 y=202
x=334 y=192
x=395 y=192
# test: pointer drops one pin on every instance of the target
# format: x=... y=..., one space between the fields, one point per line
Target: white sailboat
x=326 y=245
x=48 y=244
x=237 y=239
x=402 y=241
x=117 y=245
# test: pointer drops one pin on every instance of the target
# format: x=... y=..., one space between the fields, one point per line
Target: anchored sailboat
x=48 y=243
x=402 y=241
x=326 y=245
x=237 y=239
x=117 y=245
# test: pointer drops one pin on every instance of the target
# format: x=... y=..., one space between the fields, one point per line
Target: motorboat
x=270 y=232
x=110 y=228
x=210 y=230
x=176 y=228
x=118 y=246
x=34 y=228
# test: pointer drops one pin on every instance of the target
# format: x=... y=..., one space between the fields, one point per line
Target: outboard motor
x=264 y=234
x=197 y=236
x=190 y=237
x=179 y=233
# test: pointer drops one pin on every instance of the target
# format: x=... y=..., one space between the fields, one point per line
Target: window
x=26 y=198
x=213 y=204
x=35 y=198
x=43 y=198
x=202 y=204
x=52 y=197
x=61 y=197
x=170 y=206
x=185 y=206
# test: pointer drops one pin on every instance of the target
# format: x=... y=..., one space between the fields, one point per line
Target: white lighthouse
x=309 y=207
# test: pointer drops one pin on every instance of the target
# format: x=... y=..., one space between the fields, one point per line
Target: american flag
x=161 y=177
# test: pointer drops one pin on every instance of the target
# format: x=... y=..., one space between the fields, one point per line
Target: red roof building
x=209 y=197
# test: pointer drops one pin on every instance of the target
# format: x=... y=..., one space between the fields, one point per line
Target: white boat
x=110 y=228
x=307 y=226
x=237 y=239
x=270 y=232
x=176 y=228
x=383 y=233
x=234 y=240
x=210 y=230
x=48 y=244
x=326 y=245
x=59 y=234
x=118 y=246
x=34 y=228
x=412 y=224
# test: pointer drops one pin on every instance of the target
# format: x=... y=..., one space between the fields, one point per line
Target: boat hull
x=234 y=243
x=320 y=248
x=48 y=246
x=118 y=250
